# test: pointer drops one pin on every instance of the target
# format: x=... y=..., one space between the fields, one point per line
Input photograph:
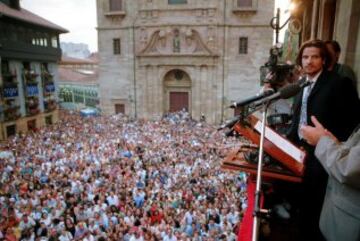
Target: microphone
x=249 y=145
x=284 y=93
x=229 y=123
x=252 y=98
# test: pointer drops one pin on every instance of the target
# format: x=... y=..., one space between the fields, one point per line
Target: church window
x=243 y=45
x=244 y=3
x=115 y=5
x=116 y=46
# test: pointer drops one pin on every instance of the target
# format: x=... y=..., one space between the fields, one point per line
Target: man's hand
x=313 y=134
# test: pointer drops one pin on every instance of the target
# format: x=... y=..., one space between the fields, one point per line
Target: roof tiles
x=29 y=17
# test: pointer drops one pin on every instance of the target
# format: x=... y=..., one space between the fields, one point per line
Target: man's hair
x=335 y=45
x=324 y=54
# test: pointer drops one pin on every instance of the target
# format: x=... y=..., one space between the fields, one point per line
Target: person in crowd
x=26 y=222
x=81 y=231
x=343 y=70
x=10 y=235
x=330 y=98
x=42 y=231
x=65 y=235
x=340 y=215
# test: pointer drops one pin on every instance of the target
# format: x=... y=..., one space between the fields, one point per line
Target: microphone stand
x=258 y=212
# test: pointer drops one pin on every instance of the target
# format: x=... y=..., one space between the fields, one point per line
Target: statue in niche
x=189 y=38
x=211 y=37
x=162 y=36
x=176 y=41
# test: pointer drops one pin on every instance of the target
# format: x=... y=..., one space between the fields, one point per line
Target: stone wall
x=200 y=38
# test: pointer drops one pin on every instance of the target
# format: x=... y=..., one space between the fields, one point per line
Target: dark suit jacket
x=334 y=102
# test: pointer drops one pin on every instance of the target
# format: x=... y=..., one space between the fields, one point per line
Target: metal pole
x=277 y=28
x=256 y=223
x=223 y=65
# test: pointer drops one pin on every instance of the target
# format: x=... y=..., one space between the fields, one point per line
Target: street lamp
x=294 y=23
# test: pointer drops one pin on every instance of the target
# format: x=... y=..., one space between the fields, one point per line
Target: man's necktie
x=303 y=112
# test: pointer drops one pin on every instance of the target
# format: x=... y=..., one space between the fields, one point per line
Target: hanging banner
x=32 y=90
x=10 y=92
x=50 y=88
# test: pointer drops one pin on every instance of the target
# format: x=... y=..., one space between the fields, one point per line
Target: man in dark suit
x=334 y=102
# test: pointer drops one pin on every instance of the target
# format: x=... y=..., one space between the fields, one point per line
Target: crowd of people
x=113 y=178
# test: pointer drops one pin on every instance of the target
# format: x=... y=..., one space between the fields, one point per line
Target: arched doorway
x=177 y=87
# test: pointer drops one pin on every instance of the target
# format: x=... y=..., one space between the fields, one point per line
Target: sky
x=79 y=17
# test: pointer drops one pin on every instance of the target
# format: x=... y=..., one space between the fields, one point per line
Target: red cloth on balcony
x=245 y=231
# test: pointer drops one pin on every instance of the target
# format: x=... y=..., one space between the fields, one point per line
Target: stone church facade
x=159 y=56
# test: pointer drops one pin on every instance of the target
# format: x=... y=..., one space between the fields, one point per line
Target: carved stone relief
x=211 y=35
x=189 y=38
x=178 y=41
x=162 y=38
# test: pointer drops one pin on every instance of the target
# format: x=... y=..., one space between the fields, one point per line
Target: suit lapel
x=298 y=98
x=319 y=82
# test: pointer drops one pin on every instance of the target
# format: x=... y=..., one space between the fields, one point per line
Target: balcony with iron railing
x=32 y=105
